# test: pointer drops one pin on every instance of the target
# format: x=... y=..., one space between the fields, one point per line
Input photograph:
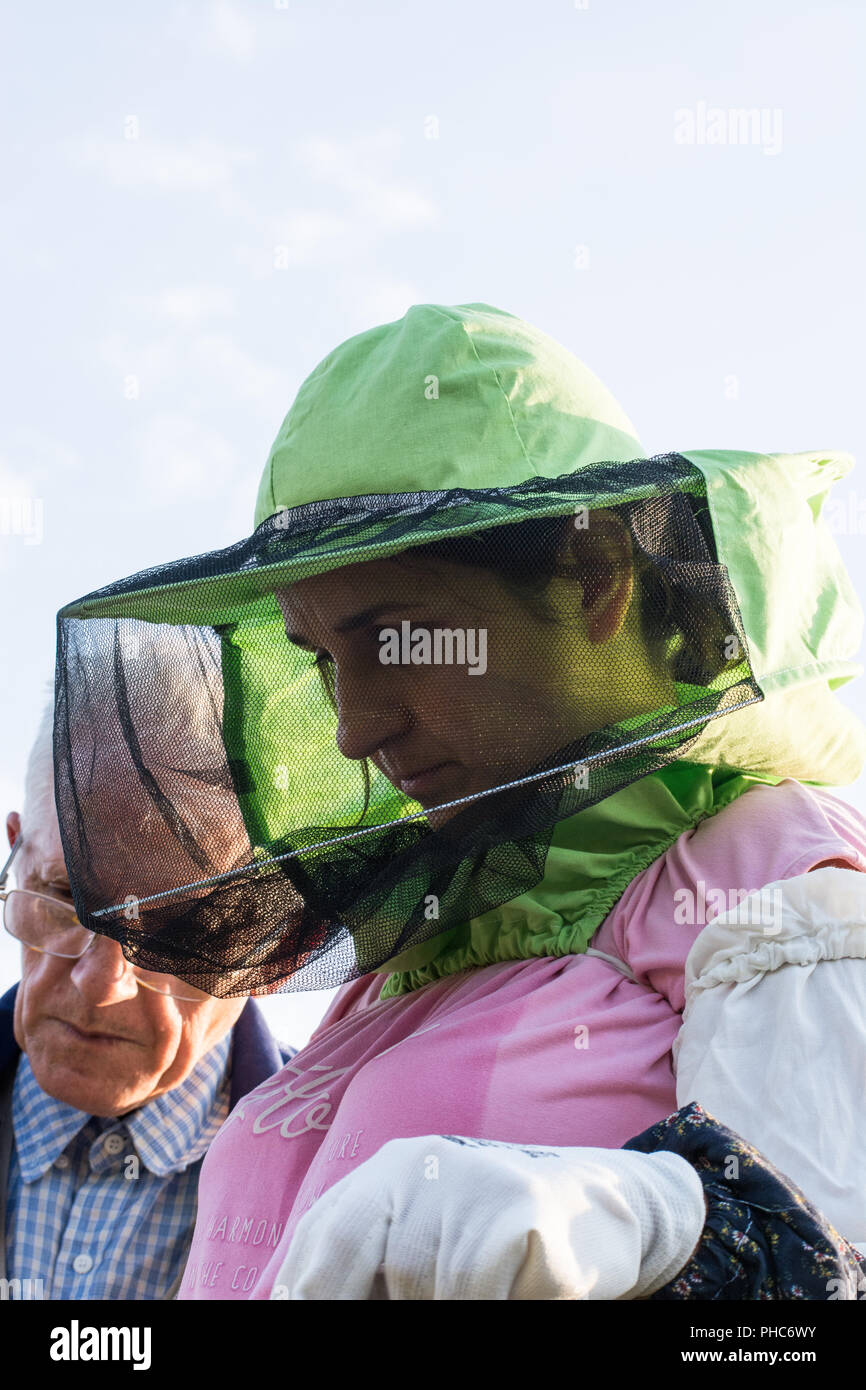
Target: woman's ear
x=601 y=553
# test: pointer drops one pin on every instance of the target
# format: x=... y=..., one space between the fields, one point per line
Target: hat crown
x=449 y=396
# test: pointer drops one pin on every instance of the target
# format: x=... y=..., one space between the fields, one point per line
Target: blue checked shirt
x=105 y=1208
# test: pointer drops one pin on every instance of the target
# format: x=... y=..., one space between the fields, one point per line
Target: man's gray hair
x=39 y=777
x=160 y=746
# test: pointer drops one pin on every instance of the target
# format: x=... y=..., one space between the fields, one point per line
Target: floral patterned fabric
x=763 y=1239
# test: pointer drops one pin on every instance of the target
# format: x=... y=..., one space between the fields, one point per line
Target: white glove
x=442 y=1217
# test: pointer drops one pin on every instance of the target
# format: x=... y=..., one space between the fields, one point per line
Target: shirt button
x=61 y=1161
x=113 y=1143
x=82 y=1264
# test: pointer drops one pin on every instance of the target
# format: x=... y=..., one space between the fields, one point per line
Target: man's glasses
x=50 y=926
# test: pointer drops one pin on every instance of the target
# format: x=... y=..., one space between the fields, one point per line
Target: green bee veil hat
x=453 y=459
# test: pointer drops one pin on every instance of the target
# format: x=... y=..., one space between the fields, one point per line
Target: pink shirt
x=553 y=1050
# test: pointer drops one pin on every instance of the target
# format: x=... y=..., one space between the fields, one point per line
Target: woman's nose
x=369 y=713
x=103 y=975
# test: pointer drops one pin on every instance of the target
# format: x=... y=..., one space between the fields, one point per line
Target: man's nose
x=103 y=975
x=369 y=713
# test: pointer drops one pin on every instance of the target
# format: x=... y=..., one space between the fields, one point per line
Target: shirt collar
x=169 y=1133
x=43 y=1126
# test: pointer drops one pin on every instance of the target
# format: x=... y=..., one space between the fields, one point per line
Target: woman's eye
x=416 y=625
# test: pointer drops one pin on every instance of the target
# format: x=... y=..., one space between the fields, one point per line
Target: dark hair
x=689 y=641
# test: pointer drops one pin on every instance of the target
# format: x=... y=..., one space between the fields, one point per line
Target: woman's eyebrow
x=362 y=619
x=369 y=615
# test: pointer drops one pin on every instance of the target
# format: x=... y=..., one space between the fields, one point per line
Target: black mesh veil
x=252 y=814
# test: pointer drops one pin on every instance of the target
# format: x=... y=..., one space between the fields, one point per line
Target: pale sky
x=200 y=200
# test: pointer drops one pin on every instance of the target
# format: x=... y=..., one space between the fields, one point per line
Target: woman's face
x=441 y=731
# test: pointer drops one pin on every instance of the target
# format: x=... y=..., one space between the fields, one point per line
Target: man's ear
x=602 y=555
x=13 y=827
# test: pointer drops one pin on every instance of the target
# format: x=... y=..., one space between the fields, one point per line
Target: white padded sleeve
x=773 y=1042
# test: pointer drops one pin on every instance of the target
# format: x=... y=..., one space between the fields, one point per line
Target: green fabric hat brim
x=221 y=598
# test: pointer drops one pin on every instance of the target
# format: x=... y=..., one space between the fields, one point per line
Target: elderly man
x=113 y=1082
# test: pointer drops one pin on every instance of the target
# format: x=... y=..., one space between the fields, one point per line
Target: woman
x=534 y=751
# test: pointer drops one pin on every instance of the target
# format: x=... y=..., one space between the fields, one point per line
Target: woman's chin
x=436 y=819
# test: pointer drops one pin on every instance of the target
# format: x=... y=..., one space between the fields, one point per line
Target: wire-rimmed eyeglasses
x=50 y=926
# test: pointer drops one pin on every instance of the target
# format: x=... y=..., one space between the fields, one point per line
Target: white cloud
x=392 y=207
x=300 y=237
x=185 y=305
x=146 y=163
x=338 y=161
x=218 y=28
x=11 y=799
x=22 y=514
x=374 y=203
x=201 y=366
x=232 y=31
x=385 y=300
x=218 y=357
x=13 y=483
x=179 y=459
x=34 y=471
x=350 y=166
x=32 y=463
x=37 y=456
x=294 y=1017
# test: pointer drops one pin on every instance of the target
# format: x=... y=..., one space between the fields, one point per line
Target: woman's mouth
x=427 y=780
